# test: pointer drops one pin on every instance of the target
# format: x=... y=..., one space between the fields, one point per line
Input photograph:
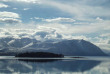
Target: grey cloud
x=60 y=19
x=48 y=34
x=109 y=42
x=42 y=34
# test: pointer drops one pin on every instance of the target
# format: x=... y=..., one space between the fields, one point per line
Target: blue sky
x=73 y=19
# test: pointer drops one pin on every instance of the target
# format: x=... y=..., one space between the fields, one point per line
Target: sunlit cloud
x=6 y=14
x=26 y=9
x=27 y=1
x=80 y=10
x=3 y=5
x=15 y=8
x=9 y=17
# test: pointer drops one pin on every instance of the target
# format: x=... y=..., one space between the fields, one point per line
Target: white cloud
x=79 y=37
x=105 y=35
x=9 y=17
x=65 y=7
x=60 y=19
x=99 y=19
x=15 y=8
x=6 y=14
x=39 y=34
x=9 y=20
x=103 y=46
x=79 y=29
x=101 y=42
x=37 y=18
x=78 y=9
x=26 y=9
x=3 y=5
x=27 y=1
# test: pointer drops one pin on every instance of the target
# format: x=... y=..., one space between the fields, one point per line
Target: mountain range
x=11 y=46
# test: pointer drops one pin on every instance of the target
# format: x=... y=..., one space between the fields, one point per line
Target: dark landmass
x=39 y=55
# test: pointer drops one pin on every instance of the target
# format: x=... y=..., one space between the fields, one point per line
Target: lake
x=66 y=65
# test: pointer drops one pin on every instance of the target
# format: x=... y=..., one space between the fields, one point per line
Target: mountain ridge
x=67 y=47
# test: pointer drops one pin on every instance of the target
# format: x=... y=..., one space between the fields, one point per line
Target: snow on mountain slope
x=73 y=48
x=66 y=47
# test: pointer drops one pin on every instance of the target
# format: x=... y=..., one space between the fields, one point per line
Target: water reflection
x=39 y=60
x=48 y=67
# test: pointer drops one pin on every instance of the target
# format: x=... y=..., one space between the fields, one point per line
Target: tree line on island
x=39 y=55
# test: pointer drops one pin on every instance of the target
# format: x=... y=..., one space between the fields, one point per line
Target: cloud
x=105 y=35
x=93 y=27
x=37 y=18
x=39 y=34
x=27 y=1
x=101 y=42
x=3 y=5
x=91 y=18
x=9 y=17
x=26 y=9
x=75 y=8
x=99 y=19
x=65 y=7
x=6 y=14
x=56 y=20
x=103 y=46
x=60 y=19
x=105 y=42
x=50 y=33
x=15 y=8
x=79 y=29
x=80 y=9
x=9 y=20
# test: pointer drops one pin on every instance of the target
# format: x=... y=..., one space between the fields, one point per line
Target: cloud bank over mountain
x=57 y=20
x=49 y=34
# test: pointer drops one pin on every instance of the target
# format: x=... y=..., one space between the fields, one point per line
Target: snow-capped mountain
x=66 y=47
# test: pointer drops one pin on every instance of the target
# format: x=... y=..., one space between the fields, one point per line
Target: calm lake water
x=67 y=65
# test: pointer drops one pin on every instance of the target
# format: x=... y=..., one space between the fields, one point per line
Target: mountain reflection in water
x=39 y=60
x=50 y=67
